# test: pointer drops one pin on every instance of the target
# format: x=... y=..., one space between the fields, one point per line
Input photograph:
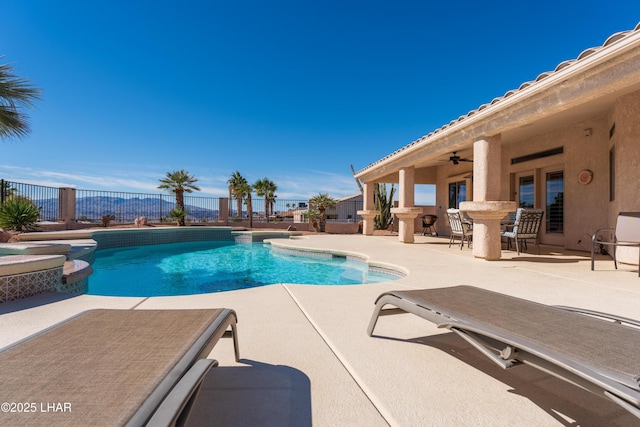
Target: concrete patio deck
x=307 y=360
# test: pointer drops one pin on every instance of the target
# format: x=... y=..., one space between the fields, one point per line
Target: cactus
x=383 y=203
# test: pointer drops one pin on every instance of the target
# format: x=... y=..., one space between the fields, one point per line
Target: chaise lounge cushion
x=112 y=367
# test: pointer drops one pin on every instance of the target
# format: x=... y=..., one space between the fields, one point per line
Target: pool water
x=214 y=266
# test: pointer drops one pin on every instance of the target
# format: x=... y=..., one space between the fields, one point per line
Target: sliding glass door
x=554 y=206
x=548 y=195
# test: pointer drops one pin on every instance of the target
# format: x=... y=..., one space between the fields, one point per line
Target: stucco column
x=406 y=212
x=369 y=213
x=67 y=205
x=486 y=169
x=485 y=209
x=223 y=210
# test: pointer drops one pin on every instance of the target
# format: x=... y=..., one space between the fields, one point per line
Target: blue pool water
x=213 y=266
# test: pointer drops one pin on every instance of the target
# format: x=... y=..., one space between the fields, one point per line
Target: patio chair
x=595 y=351
x=428 y=222
x=626 y=233
x=526 y=226
x=114 y=367
x=459 y=228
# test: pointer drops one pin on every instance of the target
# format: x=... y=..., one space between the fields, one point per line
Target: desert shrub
x=106 y=220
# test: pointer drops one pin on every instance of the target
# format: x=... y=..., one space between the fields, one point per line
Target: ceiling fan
x=455 y=159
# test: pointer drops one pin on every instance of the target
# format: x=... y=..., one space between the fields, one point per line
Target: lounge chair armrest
x=627 y=243
x=595 y=234
x=179 y=400
x=617 y=319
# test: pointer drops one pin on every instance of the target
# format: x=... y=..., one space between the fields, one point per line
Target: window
x=526 y=191
x=555 y=202
x=457 y=193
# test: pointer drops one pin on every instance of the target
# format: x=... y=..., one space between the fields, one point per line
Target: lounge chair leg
x=374 y=317
x=233 y=333
x=236 y=347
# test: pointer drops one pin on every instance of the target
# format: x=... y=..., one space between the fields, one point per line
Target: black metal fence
x=46 y=198
x=274 y=211
x=124 y=207
x=293 y=210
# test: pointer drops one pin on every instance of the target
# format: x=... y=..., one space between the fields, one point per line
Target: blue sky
x=295 y=91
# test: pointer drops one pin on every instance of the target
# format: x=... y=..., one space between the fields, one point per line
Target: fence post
x=2 y=192
x=223 y=210
x=67 y=205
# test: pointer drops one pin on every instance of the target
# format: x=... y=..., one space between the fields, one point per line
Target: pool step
x=75 y=270
x=72 y=249
x=34 y=248
x=75 y=277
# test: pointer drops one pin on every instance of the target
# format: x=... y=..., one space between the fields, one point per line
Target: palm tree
x=243 y=191
x=271 y=195
x=235 y=182
x=322 y=202
x=179 y=182
x=266 y=188
x=15 y=93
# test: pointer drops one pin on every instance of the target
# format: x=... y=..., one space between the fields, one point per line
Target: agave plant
x=19 y=214
x=178 y=214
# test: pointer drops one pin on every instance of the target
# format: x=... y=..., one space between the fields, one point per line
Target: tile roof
x=587 y=52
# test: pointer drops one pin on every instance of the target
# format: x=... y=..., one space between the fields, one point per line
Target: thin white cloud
x=294 y=186
x=75 y=180
x=310 y=183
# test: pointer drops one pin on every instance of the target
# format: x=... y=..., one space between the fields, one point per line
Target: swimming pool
x=215 y=266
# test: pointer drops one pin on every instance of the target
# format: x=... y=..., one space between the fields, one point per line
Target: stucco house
x=347 y=208
x=567 y=142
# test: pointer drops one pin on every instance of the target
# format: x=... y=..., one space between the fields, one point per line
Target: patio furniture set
x=522 y=225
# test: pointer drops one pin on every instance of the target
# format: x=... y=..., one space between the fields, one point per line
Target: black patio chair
x=428 y=221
